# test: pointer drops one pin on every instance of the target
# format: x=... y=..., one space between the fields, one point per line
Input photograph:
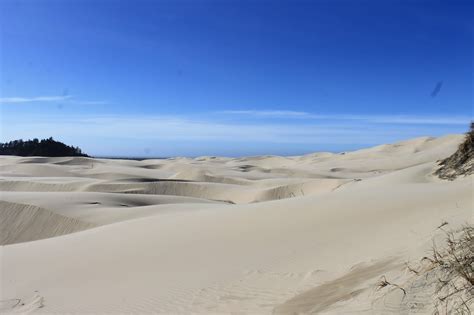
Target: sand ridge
x=263 y=234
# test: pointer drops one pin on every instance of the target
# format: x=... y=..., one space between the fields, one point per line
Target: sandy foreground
x=265 y=234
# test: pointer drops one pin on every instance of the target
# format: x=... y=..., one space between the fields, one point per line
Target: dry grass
x=455 y=263
x=462 y=161
x=450 y=269
x=382 y=283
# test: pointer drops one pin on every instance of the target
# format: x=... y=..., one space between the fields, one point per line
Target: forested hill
x=35 y=147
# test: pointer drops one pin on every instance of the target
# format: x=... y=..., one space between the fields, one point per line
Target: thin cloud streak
x=69 y=99
x=378 y=119
x=15 y=100
x=89 y=102
x=266 y=113
x=175 y=128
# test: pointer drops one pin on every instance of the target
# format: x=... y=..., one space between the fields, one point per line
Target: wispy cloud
x=13 y=100
x=129 y=134
x=89 y=102
x=69 y=99
x=377 y=119
x=418 y=120
x=266 y=113
x=179 y=128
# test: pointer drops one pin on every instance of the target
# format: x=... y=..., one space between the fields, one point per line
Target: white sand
x=266 y=234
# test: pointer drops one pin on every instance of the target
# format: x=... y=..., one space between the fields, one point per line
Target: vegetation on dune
x=455 y=265
x=462 y=161
x=448 y=272
x=35 y=147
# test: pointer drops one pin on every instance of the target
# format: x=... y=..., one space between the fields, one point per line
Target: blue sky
x=165 y=78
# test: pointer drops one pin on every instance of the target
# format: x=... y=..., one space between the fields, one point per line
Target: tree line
x=35 y=147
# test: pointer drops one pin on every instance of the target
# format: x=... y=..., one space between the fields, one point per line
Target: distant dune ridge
x=265 y=234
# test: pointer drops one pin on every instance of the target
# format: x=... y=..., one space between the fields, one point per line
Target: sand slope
x=303 y=234
x=23 y=223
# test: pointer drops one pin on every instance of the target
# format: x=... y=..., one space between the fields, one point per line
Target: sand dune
x=265 y=234
x=23 y=223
